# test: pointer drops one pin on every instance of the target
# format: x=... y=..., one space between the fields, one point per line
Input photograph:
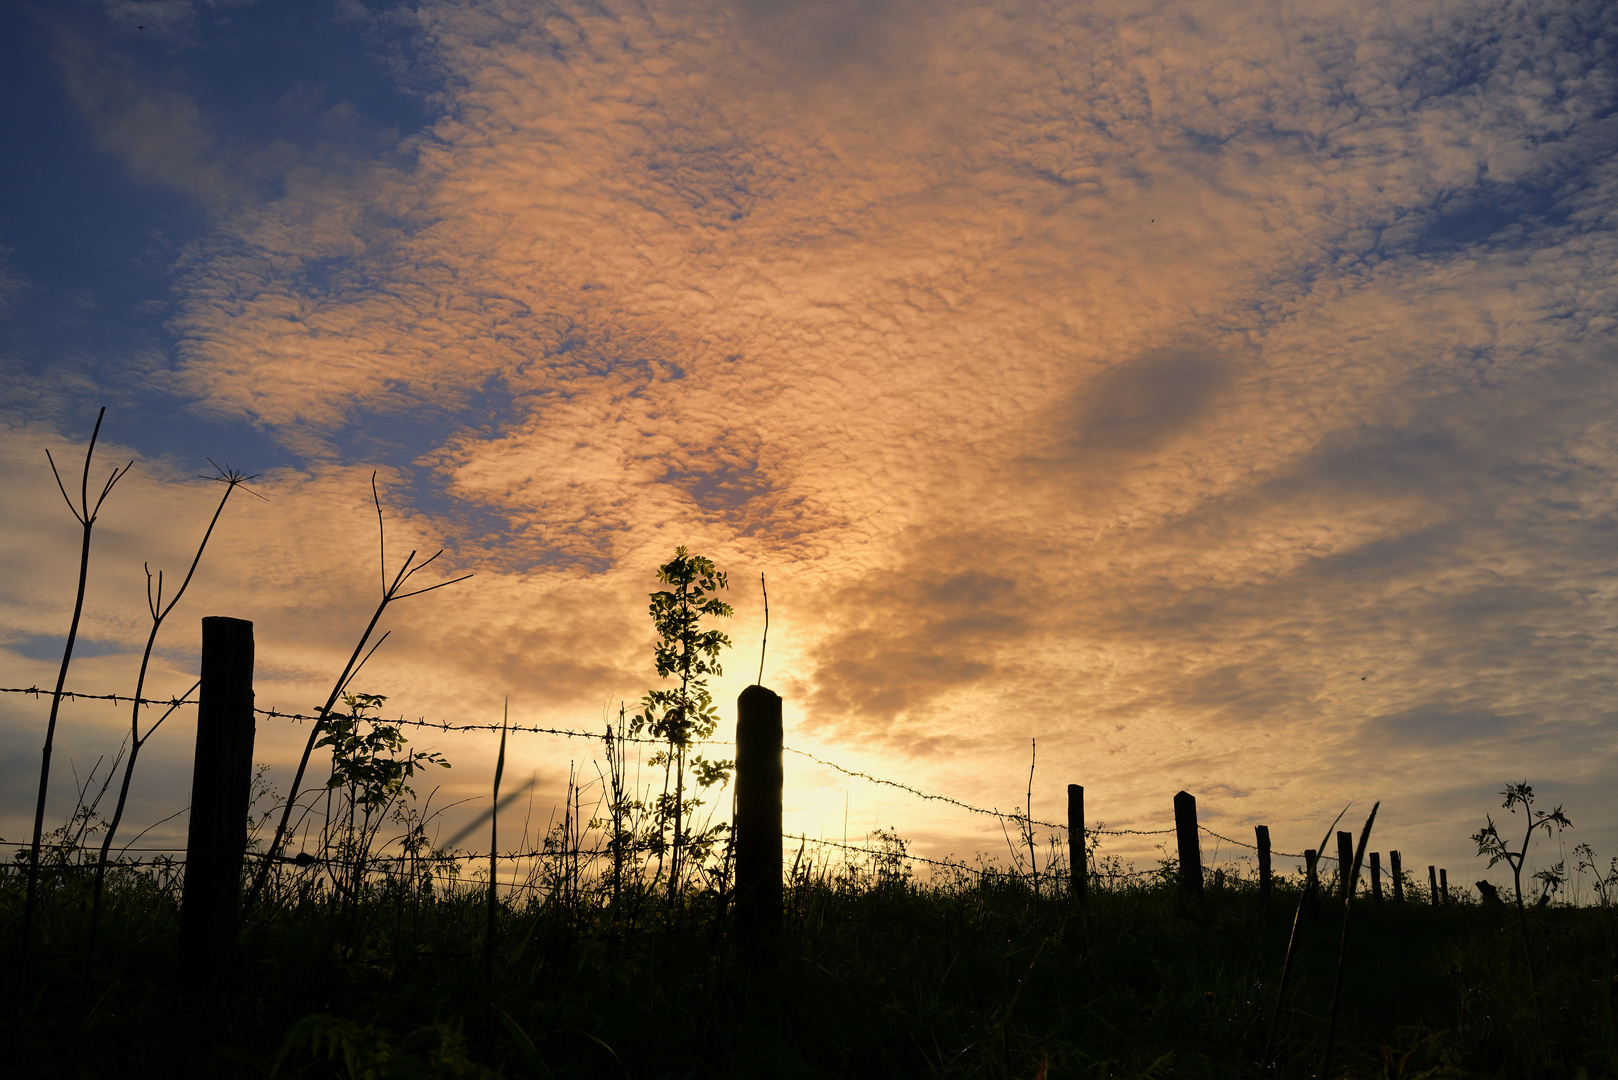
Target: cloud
x=161 y=135
x=1195 y=386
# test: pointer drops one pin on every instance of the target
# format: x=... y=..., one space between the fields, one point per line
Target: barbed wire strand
x=446 y=726
x=423 y=722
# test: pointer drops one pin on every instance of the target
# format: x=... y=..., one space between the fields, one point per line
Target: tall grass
x=967 y=974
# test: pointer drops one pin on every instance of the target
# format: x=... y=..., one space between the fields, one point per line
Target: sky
x=1218 y=394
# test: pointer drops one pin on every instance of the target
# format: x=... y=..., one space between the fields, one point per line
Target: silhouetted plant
x=1265 y=1061
x=159 y=612
x=371 y=770
x=684 y=714
x=391 y=591
x=1606 y=882
x=86 y=515
x=623 y=809
x=1492 y=844
x=1350 y=876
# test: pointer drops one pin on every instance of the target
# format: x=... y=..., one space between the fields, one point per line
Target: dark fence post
x=758 y=816
x=1376 y=876
x=1078 y=870
x=1345 y=863
x=1311 y=881
x=1395 y=865
x=221 y=776
x=1263 y=834
x=1432 y=885
x=1185 y=829
x=1443 y=884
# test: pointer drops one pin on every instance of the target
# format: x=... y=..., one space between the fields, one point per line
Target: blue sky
x=1219 y=393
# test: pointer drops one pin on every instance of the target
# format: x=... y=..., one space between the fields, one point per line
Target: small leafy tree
x=371 y=769
x=684 y=714
x=1494 y=845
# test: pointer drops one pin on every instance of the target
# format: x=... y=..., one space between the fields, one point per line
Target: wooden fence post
x=1376 y=876
x=221 y=776
x=1345 y=863
x=1443 y=884
x=758 y=817
x=1398 y=869
x=1078 y=870
x=1262 y=832
x=1185 y=829
x=1432 y=885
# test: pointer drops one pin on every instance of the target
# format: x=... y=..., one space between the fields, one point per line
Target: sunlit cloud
x=1215 y=392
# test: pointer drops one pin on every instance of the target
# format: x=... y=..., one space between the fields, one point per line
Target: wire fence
x=608 y=734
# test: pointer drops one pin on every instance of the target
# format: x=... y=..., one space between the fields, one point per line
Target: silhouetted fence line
x=1185 y=841
x=447 y=726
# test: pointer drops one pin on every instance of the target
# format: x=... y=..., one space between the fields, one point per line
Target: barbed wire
x=423 y=722
x=446 y=726
x=75 y=696
x=919 y=793
x=81 y=847
x=804 y=838
x=1320 y=857
x=305 y=860
x=1110 y=874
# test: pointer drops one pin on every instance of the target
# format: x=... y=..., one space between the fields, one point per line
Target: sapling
x=1492 y=844
x=85 y=514
x=684 y=714
x=372 y=768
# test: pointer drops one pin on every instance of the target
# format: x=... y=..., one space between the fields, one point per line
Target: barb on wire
x=182 y=700
x=276 y=714
x=77 y=847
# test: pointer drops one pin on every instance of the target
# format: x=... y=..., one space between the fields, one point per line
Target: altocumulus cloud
x=1214 y=390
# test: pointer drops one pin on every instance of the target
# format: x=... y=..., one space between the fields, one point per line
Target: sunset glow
x=1219 y=393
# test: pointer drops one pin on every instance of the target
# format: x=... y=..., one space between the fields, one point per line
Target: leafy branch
x=1490 y=842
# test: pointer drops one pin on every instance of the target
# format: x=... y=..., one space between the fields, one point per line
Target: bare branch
x=117 y=475
x=430 y=588
x=399 y=578
x=175 y=704
x=62 y=489
x=425 y=564
x=355 y=673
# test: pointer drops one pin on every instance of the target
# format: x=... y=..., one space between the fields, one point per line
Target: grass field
x=875 y=975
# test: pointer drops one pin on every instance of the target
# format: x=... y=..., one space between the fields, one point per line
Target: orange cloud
x=1139 y=379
